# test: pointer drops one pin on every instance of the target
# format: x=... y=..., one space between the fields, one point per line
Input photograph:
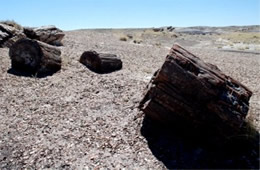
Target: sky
x=80 y=14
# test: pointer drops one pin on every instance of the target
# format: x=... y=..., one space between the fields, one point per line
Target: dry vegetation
x=123 y=38
x=243 y=37
x=243 y=41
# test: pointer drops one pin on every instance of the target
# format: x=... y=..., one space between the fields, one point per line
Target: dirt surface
x=78 y=119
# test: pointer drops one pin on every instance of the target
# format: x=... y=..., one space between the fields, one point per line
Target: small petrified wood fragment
x=101 y=62
x=186 y=88
x=35 y=56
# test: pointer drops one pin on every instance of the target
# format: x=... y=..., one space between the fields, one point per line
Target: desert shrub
x=129 y=36
x=158 y=29
x=241 y=48
x=150 y=32
x=158 y=44
x=66 y=60
x=174 y=36
x=12 y=23
x=137 y=41
x=123 y=38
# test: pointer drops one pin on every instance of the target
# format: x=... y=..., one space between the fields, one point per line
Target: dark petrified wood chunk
x=48 y=34
x=101 y=62
x=35 y=56
x=185 y=87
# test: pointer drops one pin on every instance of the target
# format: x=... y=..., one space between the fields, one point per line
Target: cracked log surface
x=35 y=56
x=48 y=34
x=9 y=35
x=187 y=89
x=101 y=62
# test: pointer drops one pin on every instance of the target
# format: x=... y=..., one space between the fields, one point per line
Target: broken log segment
x=9 y=35
x=48 y=34
x=101 y=62
x=35 y=56
x=195 y=91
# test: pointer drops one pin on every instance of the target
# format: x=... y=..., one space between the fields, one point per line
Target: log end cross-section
x=101 y=62
x=186 y=88
x=35 y=56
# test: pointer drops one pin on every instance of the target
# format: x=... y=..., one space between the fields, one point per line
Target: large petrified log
x=101 y=62
x=48 y=34
x=9 y=35
x=186 y=88
x=35 y=56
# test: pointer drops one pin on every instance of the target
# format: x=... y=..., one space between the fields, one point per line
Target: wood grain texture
x=35 y=56
x=195 y=91
x=48 y=34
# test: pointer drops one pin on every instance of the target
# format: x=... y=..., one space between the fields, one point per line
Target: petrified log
x=48 y=34
x=9 y=35
x=101 y=62
x=186 y=88
x=3 y=36
x=35 y=56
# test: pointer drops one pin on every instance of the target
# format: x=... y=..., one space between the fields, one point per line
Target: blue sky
x=76 y=14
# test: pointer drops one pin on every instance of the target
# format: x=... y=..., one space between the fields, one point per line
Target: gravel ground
x=78 y=119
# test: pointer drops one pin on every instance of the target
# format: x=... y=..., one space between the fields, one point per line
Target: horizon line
x=104 y=28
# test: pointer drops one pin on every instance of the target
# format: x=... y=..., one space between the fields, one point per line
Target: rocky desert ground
x=78 y=119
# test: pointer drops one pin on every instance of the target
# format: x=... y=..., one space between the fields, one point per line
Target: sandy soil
x=78 y=119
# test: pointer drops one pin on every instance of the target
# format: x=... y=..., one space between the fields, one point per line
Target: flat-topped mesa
x=186 y=88
x=48 y=34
